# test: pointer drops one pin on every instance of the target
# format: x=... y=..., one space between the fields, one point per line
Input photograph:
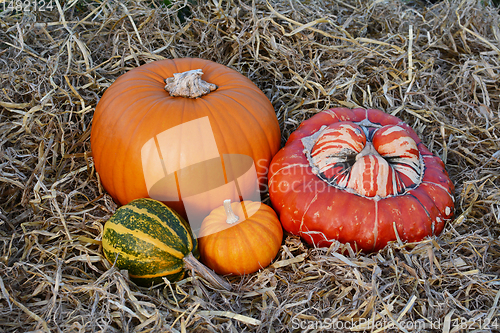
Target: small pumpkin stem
x=191 y=263
x=188 y=84
x=231 y=216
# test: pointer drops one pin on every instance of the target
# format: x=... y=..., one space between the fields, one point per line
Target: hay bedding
x=435 y=66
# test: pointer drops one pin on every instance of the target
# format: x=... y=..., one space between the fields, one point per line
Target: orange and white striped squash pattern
x=358 y=176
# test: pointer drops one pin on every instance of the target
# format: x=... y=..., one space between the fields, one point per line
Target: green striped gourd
x=151 y=241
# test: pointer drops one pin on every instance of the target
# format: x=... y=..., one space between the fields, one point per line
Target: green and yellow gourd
x=150 y=240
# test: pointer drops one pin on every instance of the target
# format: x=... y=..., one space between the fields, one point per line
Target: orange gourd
x=141 y=150
x=240 y=238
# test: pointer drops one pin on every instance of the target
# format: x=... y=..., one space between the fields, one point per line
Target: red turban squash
x=359 y=176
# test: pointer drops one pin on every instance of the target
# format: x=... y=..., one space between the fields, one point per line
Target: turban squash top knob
x=359 y=176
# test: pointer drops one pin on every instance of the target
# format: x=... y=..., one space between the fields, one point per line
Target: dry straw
x=435 y=66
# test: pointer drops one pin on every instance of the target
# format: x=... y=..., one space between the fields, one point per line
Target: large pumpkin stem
x=231 y=216
x=188 y=84
x=191 y=263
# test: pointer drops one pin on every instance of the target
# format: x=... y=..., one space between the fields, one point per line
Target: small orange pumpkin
x=240 y=238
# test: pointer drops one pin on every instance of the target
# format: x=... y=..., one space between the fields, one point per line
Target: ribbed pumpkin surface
x=136 y=108
x=245 y=246
x=150 y=240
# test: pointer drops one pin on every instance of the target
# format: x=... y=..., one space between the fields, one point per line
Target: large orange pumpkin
x=240 y=238
x=149 y=139
x=359 y=176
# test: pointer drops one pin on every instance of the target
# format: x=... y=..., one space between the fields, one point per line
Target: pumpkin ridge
x=441 y=187
x=216 y=125
x=127 y=148
x=112 y=187
x=140 y=78
x=270 y=149
x=109 y=97
x=126 y=79
x=269 y=231
x=116 y=188
x=149 y=74
x=153 y=69
x=438 y=218
x=213 y=71
x=177 y=64
x=212 y=226
x=236 y=256
x=241 y=131
x=218 y=244
x=213 y=113
x=210 y=246
x=264 y=225
x=100 y=111
x=422 y=205
x=248 y=231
